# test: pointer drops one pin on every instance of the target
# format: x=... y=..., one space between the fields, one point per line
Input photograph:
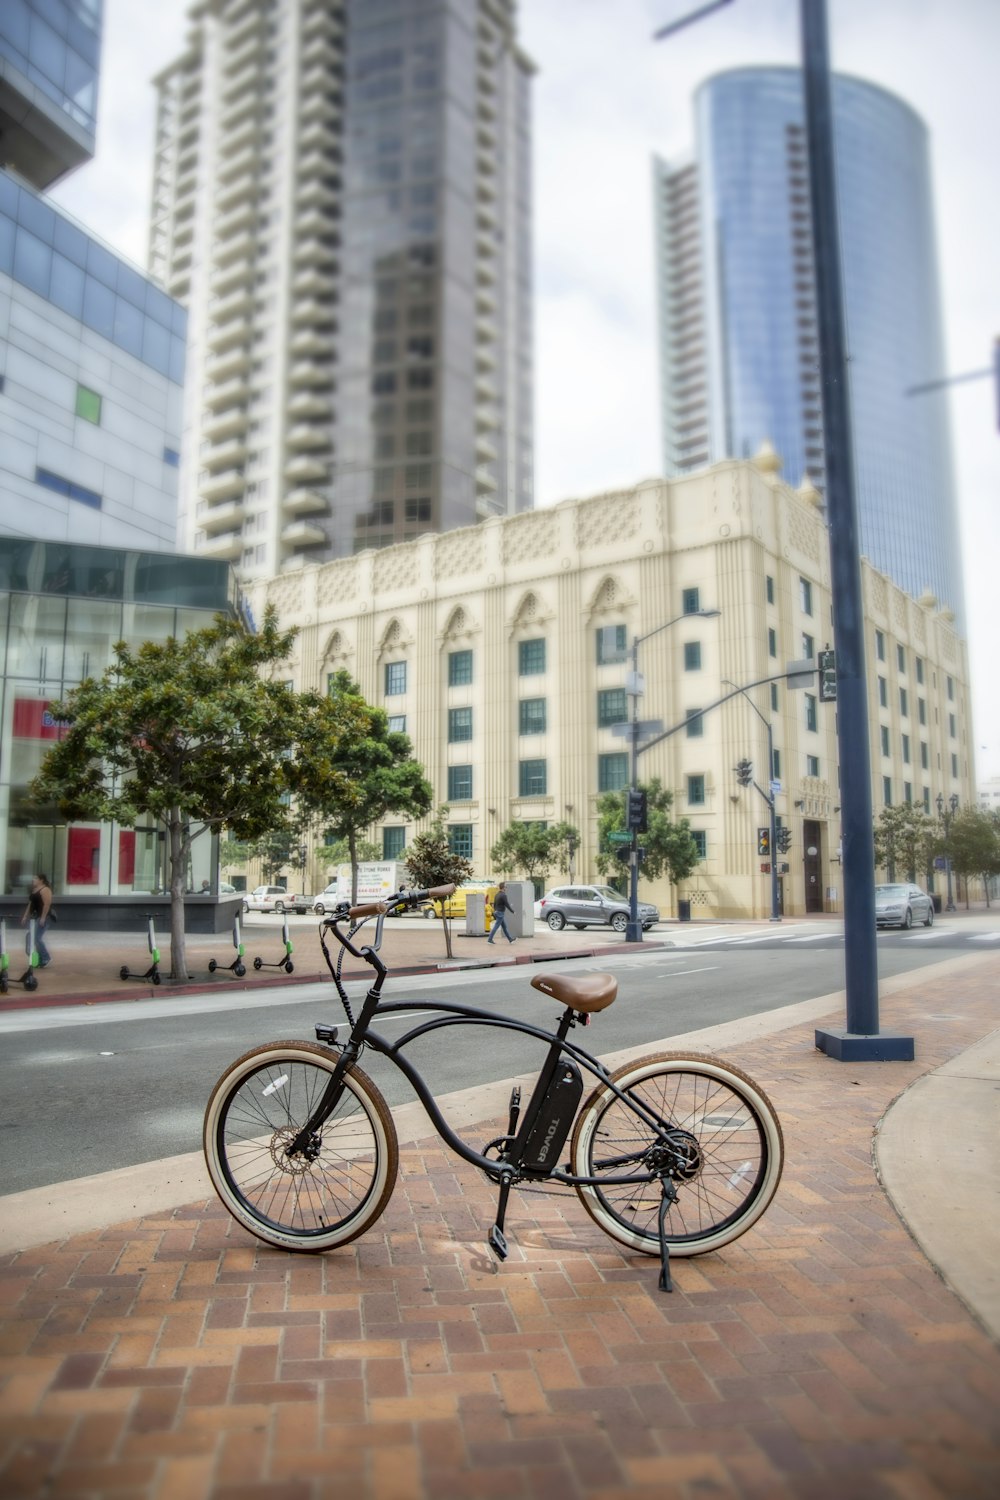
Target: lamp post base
x=633 y=932
x=852 y=1046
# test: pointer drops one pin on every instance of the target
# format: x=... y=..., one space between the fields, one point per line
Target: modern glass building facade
x=91 y=365
x=62 y=610
x=49 y=65
x=738 y=327
x=342 y=200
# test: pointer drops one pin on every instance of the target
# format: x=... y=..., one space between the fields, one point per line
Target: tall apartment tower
x=342 y=201
x=738 y=321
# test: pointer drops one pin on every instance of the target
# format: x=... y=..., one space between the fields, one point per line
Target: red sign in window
x=126 y=856
x=83 y=855
x=33 y=720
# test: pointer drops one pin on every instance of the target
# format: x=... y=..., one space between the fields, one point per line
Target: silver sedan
x=902 y=905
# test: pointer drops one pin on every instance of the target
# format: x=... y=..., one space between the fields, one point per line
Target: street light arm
x=676 y=728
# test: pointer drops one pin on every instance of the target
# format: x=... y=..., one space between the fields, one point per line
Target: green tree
x=670 y=848
x=904 y=836
x=532 y=849
x=351 y=769
x=432 y=861
x=974 y=846
x=184 y=731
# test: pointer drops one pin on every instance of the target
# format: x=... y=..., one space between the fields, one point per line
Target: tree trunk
x=447 y=932
x=178 y=860
x=352 y=849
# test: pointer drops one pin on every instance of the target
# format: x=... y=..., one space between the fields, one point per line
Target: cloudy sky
x=605 y=98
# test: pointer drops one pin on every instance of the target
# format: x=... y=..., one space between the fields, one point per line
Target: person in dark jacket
x=501 y=907
x=39 y=905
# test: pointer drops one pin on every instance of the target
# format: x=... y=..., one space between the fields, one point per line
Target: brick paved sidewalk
x=819 y=1356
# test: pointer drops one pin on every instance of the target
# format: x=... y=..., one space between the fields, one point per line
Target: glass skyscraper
x=738 y=325
x=49 y=64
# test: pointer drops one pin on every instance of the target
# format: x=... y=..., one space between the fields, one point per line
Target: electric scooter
x=238 y=966
x=285 y=962
x=153 y=972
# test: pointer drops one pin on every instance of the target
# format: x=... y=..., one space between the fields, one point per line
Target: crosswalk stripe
x=984 y=937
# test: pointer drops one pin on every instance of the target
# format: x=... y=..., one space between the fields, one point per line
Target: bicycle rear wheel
x=729 y=1153
x=315 y=1200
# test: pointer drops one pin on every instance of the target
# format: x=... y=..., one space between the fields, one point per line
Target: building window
x=460 y=839
x=612 y=707
x=887 y=791
x=397 y=723
x=611 y=644
x=907 y=792
x=690 y=601
x=775 y=764
x=883 y=692
x=808 y=646
x=805 y=596
x=927 y=799
x=459 y=725
x=901 y=658
x=812 y=765
x=884 y=732
x=880 y=647
x=67 y=487
x=924 y=756
x=774 y=697
x=812 y=718
x=395 y=678
x=531 y=657
x=696 y=791
x=88 y=405
x=394 y=841
x=531 y=717
x=906 y=748
x=951 y=726
x=695 y=724
x=172 y=457
x=532 y=778
x=459 y=668
x=701 y=841
x=950 y=685
x=918 y=662
x=904 y=703
x=922 y=710
x=692 y=656
x=772 y=641
x=459 y=783
x=612 y=771
x=769 y=588
x=954 y=765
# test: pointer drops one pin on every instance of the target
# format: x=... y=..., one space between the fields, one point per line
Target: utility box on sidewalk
x=475 y=914
x=521 y=919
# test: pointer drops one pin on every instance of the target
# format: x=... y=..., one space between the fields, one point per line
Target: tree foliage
x=184 y=731
x=905 y=839
x=351 y=769
x=532 y=850
x=973 y=845
x=432 y=861
x=670 y=848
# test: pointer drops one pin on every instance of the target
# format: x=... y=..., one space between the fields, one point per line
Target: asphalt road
x=87 y=1090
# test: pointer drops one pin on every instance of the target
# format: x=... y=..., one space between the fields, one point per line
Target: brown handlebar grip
x=370 y=909
x=439 y=892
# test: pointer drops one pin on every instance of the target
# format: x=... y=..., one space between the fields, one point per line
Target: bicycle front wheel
x=724 y=1150
x=324 y=1196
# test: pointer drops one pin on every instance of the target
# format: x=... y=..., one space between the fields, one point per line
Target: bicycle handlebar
x=401 y=898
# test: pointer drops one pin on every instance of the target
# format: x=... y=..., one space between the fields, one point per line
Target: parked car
x=583 y=906
x=902 y=905
x=275 y=898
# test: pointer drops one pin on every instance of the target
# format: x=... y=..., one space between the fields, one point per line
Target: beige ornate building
x=503 y=651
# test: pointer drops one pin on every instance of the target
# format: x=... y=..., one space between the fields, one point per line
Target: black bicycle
x=671 y=1154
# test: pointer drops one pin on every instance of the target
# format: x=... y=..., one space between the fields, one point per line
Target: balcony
x=306 y=471
x=310 y=280
x=178 y=283
x=310 y=404
x=485 y=358
x=321 y=20
x=230 y=420
x=320 y=50
x=245 y=107
x=304 y=501
x=237 y=273
x=222 y=486
x=237 y=301
x=218 y=367
x=241 y=54
x=237 y=164
x=487 y=417
x=309 y=436
x=312 y=220
x=249 y=23
x=302 y=534
x=311 y=251
x=240 y=247
x=225 y=517
x=485 y=389
x=318 y=106
x=312 y=341
x=485 y=451
x=320 y=134
x=315 y=193
x=245 y=81
x=226 y=393
x=485 y=480
x=226 y=548
x=310 y=372
x=237 y=218
x=315 y=313
x=225 y=455
x=226 y=334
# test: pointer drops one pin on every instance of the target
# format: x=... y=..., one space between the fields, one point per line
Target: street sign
x=645 y=729
x=619 y=838
x=775 y=788
x=800 y=674
x=940 y=863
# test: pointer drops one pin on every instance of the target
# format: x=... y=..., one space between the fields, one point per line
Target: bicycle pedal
x=498 y=1243
x=327 y=1034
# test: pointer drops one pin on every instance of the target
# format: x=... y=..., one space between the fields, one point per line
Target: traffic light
x=826 y=661
x=764 y=842
x=784 y=840
x=744 y=772
x=635 y=810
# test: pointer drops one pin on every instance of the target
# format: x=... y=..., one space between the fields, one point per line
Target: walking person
x=39 y=905
x=501 y=906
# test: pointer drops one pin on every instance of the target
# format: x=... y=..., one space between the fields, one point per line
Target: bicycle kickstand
x=497 y=1240
x=668 y=1199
